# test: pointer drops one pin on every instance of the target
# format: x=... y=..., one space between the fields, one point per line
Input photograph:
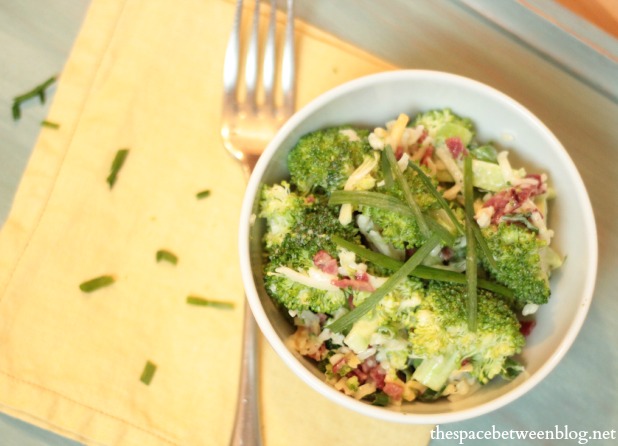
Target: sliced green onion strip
x=437 y=228
x=167 y=256
x=38 y=91
x=407 y=193
x=371 y=199
x=50 y=124
x=482 y=243
x=348 y=319
x=437 y=195
x=119 y=159
x=203 y=194
x=148 y=373
x=421 y=271
x=200 y=301
x=386 y=170
x=98 y=282
x=471 y=257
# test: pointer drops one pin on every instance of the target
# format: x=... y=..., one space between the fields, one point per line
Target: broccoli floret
x=518 y=254
x=298 y=296
x=324 y=159
x=312 y=232
x=443 y=123
x=282 y=209
x=441 y=337
x=385 y=328
x=399 y=306
x=289 y=263
x=398 y=230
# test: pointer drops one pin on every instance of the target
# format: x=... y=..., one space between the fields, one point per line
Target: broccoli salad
x=411 y=258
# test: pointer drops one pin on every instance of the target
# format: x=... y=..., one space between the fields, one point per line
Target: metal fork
x=249 y=121
x=251 y=116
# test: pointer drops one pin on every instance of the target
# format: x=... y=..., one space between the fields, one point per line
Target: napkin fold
x=145 y=75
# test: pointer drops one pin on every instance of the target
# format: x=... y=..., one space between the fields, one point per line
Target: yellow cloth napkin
x=146 y=75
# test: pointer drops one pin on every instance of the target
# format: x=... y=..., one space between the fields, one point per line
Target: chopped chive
x=196 y=300
x=386 y=170
x=471 y=257
x=119 y=159
x=96 y=283
x=380 y=399
x=449 y=212
x=148 y=373
x=437 y=228
x=16 y=111
x=38 y=91
x=348 y=319
x=167 y=256
x=371 y=199
x=407 y=193
x=203 y=194
x=421 y=271
x=50 y=124
x=437 y=195
x=482 y=244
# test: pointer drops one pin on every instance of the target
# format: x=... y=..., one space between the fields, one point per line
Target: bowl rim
x=252 y=296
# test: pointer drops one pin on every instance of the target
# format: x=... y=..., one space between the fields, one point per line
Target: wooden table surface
x=602 y=13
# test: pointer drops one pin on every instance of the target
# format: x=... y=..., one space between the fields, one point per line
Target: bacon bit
x=399 y=152
x=424 y=135
x=455 y=146
x=508 y=201
x=325 y=262
x=362 y=276
x=362 y=376
x=446 y=254
x=368 y=364
x=393 y=390
x=310 y=199
x=351 y=305
x=355 y=284
x=526 y=326
x=410 y=252
x=377 y=374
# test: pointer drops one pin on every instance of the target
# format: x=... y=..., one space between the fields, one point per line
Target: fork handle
x=248 y=162
x=247 y=426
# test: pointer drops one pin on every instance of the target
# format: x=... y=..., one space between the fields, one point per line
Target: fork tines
x=254 y=93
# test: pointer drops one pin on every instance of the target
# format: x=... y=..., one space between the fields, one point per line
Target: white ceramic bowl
x=376 y=99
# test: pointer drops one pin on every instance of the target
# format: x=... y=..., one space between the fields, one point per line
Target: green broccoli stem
x=387 y=203
x=348 y=319
x=471 y=257
x=421 y=271
x=434 y=372
x=407 y=193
